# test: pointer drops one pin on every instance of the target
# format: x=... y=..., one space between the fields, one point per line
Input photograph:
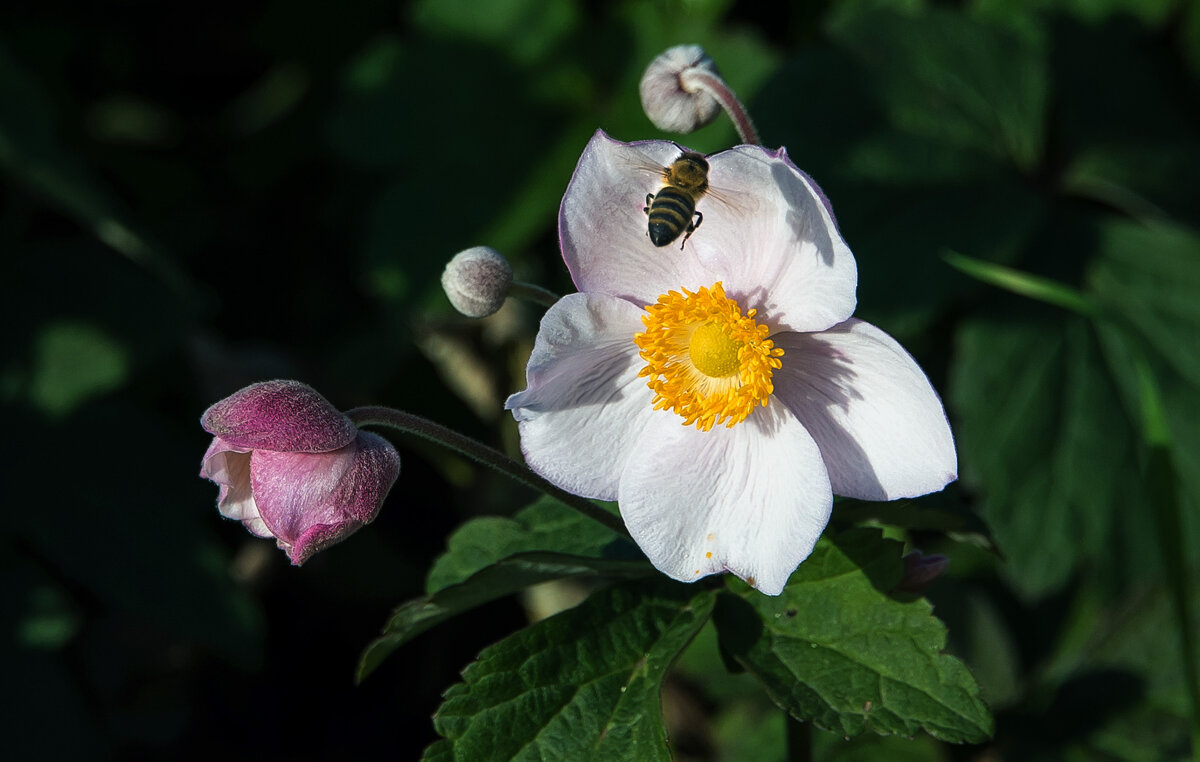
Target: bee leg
x=692 y=229
x=649 y=200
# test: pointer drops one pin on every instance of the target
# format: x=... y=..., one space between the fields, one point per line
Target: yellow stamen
x=704 y=359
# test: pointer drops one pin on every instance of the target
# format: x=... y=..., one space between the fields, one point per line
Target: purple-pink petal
x=309 y=501
x=282 y=416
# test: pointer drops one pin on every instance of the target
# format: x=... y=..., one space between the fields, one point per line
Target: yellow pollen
x=706 y=360
x=714 y=352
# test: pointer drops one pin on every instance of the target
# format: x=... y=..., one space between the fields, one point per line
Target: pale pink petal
x=584 y=405
x=751 y=499
x=229 y=467
x=603 y=228
x=312 y=500
x=285 y=416
x=880 y=425
x=775 y=245
x=768 y=234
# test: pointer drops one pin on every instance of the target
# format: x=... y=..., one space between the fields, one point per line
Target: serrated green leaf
x=491 y=557
x=441 y=751
x=1047 y=446
x=504 y=577
x=836 y=650
x=581 y=685
x=544 y=525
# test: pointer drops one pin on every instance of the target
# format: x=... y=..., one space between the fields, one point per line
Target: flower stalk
x=534 y=293
x=699 y=79
x=374 y=415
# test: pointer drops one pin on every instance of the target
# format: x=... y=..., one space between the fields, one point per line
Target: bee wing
x=725 y=198
x=652 y=158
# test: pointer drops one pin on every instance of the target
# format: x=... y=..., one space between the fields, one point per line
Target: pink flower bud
x=671 y=99
x=477 y=281
x=291 y=466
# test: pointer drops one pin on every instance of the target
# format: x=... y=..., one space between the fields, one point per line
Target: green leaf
x=75 y=362
x=1144 y=641
x=545 y=525
x=836 y=650
x=491 y=557
x=955 y=79
x=1046 y=445
x=526 y=30
x=959 y=525
x=1149 y=12
x=504 y=577
x=1147 y=279
x=1150 y=276
x=581 y=685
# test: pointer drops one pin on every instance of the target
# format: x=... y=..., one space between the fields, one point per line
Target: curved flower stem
x=536 y=294
x=697 y=78
x=373 y=415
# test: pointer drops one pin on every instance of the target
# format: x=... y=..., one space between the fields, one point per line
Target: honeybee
x=672 y=211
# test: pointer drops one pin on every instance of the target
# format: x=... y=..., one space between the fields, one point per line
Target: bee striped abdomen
x=671 y=213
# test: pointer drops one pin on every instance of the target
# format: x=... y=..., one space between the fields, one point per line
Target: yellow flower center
x=706 y=360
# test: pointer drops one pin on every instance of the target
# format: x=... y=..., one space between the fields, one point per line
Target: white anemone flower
x=721 y=392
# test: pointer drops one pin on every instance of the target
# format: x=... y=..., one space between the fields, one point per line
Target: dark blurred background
x=193 y=198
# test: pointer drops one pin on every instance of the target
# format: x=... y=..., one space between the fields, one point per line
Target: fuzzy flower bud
x=670 y=96
x=477 y=280
x=292 y=467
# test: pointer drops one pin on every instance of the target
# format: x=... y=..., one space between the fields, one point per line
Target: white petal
x=603 y=228
x=751 y=499
x=775 y=245
x=229 y=466
x=767 y=234
x=880 y=425
x=584 y=405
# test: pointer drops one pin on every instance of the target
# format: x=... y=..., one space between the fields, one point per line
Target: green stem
x=480 y=453
x=1023 y=283
x=536 y=294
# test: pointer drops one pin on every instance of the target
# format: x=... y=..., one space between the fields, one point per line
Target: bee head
x=689 y=172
